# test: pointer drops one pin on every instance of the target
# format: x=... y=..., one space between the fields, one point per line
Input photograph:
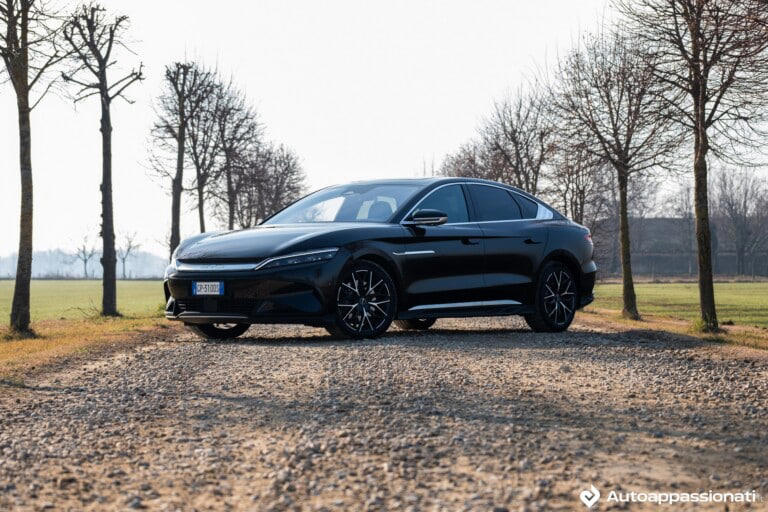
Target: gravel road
x=475 y=414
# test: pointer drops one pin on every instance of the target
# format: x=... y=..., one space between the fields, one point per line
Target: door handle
x=470 y=241
x=529 y=241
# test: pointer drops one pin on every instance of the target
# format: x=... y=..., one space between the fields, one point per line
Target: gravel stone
x=475 y=414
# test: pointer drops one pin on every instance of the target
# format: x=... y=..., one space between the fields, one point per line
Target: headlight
x=170 y=269
x=299 y=258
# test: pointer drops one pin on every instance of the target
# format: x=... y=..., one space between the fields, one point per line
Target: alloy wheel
x=559 y=297
x=364 y=301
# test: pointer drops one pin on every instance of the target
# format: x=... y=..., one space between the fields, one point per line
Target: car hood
x=264 y=241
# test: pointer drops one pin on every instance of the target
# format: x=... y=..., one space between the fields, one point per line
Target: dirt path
x=475 y=414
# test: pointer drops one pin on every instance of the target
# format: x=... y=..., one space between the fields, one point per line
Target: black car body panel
x=464 y=267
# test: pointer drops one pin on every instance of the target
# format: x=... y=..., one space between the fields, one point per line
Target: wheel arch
x=387 y=264
x=567 y=259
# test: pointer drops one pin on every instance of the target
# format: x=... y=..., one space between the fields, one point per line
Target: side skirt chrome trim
x=475 y=304
x=412 y=253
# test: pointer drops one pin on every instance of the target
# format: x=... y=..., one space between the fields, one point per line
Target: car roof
x=435 y=180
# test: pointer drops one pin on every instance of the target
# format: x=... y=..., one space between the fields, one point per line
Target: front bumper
x=295 y=294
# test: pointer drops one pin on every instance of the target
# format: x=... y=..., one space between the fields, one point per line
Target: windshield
x=365 y=202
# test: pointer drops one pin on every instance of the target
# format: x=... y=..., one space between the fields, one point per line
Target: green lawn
x=53 y=300
x=742 y=303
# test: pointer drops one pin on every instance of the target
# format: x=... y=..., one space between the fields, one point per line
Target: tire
x=416 y=324
x=366 y=301
x=335 y=333
x=557 y=295
x=218 y=331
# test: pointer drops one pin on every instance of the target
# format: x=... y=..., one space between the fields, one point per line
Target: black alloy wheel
x=218 y=331
x=556 y=299
x=366 y=301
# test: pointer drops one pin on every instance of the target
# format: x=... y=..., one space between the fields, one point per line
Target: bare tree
x=84 y=253
x=520 y=134
x=93 y=39
x=204 y=147
x=714 y=55
x=284 y=180
x=185 y=89
x=272 y=180
x=127 y=248
x=29 y=30
x=682 y=208
x=740 y=200
x=239 y=134
x=579 y=181
x=607 y=96
x=469 y=161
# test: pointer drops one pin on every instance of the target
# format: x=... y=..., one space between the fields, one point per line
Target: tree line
x=664 y=91
x=205 y=122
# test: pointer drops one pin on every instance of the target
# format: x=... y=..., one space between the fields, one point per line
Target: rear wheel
x=556 y=299
x=218 y=331
x=416 y=324
x=366 y=301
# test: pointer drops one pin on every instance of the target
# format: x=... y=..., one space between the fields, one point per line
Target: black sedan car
x=354 y=258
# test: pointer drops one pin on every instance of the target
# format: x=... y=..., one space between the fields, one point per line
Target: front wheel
x=366 y=301
x=556 y=299
x=218 y=331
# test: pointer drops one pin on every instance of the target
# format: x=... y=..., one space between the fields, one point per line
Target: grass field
x=66 y=321
x=742 y=303
x=65 y=317
x=75 y=300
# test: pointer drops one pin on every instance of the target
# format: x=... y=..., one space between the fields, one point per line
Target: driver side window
x=449 y=200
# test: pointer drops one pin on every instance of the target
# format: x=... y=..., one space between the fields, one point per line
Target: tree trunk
x=176 y=187
x=85 y=269
x=230 y=198
x=630 y=301
x=20 y=307
x=123 y=261
x=703 y=234
x=108 y=256
x=201 y=204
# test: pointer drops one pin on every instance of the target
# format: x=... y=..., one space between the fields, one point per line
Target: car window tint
x=493 y=203
x=324 y=211
x=377 y=210
x=449 y=200
x=357 y=202
x=530 y=208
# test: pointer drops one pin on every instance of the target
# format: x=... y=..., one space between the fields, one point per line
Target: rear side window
x=493 y=203
x=529 y=208
x=449 y=200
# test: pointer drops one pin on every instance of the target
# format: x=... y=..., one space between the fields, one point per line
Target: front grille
x=216 y=305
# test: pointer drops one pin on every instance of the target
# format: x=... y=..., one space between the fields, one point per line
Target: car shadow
x=495 y=337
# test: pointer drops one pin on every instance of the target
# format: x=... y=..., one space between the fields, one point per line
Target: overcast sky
x=359 y=89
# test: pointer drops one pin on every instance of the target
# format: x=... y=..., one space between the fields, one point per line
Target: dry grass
x=756 y=337
x=59 y=340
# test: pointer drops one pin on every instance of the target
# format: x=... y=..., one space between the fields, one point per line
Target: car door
x=514 y=244
x=443 y=265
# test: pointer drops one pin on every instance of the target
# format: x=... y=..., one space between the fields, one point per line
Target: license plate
x=207 y=288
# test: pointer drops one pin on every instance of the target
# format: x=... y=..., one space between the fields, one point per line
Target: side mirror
x=427 y=217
